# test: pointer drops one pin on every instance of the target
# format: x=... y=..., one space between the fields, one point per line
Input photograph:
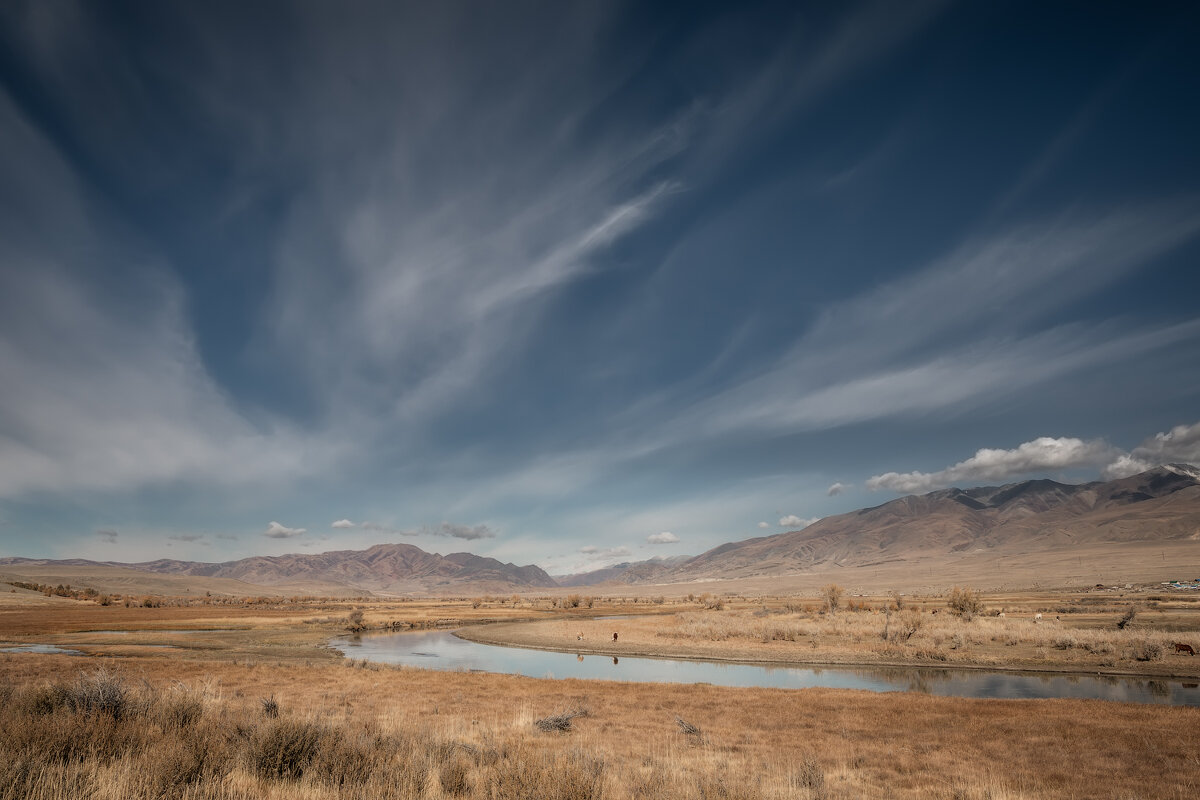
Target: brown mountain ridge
x=1162 y=504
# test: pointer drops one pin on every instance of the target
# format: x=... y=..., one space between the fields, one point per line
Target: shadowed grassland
x=146 y=728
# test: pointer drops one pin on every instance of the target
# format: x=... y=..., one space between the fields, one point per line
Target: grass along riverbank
x=202 y=730
x=1022 y=639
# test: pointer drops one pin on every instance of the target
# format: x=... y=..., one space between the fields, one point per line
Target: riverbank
x=863 y=639
x=747 y=743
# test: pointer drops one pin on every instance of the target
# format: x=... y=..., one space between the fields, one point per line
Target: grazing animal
x=614 y=636
x=1180 y=647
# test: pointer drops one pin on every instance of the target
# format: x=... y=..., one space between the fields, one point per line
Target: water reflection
x=444 y=650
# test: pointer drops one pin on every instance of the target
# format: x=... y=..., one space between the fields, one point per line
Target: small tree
x=964 y=602
x=833 y=596
x=355 y=618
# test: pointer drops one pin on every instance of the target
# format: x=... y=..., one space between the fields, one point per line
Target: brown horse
x=1180 y=647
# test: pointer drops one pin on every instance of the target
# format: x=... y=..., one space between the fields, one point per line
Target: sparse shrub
x=905 y=625
x=832 y=594
x=181 y=709
x=694 y=734
x=1127 y=617
x=964 y=602
x=355 y=620
x=285 y=748
x=1148 y=651
x=572 y=601
x=1065 y=643
x=98 y=693
x=559 y=722
x=270 y=706
x=477 y=602
x=523 y=775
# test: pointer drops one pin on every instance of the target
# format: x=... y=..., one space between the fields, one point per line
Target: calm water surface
x=444 y=650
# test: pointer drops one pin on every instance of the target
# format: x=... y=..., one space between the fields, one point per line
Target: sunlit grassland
x=201 y=730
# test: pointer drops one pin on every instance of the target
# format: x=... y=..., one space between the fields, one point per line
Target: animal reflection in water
x=579 y=658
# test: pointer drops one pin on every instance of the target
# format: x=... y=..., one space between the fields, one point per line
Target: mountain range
x=384 y=568
x=1157 y=506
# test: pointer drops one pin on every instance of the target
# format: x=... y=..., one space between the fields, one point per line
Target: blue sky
x=571 y=283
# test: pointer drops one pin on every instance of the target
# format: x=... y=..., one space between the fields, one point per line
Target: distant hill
x=1039 y=521
x=1162 y=504
x=629 y=572
x=386 y=568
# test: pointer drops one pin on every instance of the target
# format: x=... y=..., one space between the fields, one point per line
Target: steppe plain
x=222 y=696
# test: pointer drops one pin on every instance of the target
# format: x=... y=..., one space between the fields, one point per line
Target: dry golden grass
x=368 y=731
x=197 y=730
x=1072 y=634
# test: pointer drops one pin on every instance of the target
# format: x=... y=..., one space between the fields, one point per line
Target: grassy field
x=1053 y=632
x=255 y=706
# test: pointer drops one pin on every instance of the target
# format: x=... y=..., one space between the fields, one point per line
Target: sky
x=578 y=283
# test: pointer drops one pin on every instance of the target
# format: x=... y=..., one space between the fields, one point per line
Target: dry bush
x=1126 y=618
x=524 y=775
x=270 y=706
x=285 y=748
x=559 y=722
x=1146 y=650
x=832 y=594
x=694 y=734
x=964 y=602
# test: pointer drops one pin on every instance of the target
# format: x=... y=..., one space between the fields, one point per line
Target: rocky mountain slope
x=1158 y=505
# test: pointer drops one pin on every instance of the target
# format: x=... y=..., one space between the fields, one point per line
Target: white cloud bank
x=343 y=523
x=764 y=525
x=666 y=537
x=277 y=531
x=836 y=489
x=796 y=523
x=1180 y=444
